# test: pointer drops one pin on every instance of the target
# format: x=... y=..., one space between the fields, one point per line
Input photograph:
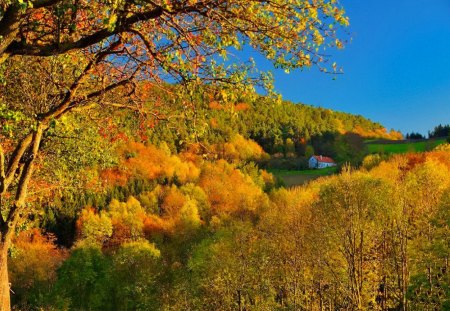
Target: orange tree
x=70 y=54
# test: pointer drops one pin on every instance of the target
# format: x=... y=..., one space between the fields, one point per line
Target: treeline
x=414 y=135
x=184 y=232
x=440 y=131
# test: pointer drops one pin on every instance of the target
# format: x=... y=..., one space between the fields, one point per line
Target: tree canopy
x=178 y=36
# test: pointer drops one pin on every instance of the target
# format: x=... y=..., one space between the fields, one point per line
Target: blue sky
x=397 y=67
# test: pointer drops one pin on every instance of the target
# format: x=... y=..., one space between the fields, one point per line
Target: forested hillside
x=179 y=231
x=276 y=125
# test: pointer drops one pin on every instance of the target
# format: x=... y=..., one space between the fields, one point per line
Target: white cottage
x=321 y=162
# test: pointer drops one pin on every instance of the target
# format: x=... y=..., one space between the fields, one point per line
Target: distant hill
x=269 y=122
x=278 y=126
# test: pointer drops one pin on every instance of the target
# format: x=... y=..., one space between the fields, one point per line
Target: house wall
x=312 y=163
x=324 y=165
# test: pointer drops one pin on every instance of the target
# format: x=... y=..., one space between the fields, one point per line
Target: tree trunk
x=8 y=227
x=9 y=29
x=239 y=300
x=5 y=304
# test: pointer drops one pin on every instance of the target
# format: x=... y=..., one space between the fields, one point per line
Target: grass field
x=297 y=178
x=404 y=147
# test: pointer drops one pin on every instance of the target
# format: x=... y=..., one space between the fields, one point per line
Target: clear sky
x=397 y=67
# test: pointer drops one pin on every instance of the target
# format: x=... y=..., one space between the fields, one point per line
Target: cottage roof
x=324 y=159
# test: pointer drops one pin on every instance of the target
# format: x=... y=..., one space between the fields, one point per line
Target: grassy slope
x=321 y=172
x=404 y=147
x=297 y=178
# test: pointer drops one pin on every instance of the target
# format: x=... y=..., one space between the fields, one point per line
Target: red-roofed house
x=321 y=162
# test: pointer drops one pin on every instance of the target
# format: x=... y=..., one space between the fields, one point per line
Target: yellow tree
x=425 y=188
x=352 y=209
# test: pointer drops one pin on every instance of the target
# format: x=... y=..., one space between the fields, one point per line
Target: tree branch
x=2 y=163
x=68 y=98
x=44 y=3
x=14 y=162
x=20 y=48
x=22 y=188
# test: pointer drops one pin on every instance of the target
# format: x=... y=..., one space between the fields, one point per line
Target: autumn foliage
x=34 y=263
x=370 y=238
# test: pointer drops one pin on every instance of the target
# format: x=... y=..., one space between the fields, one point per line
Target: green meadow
x=292 y=178
x=404 y=147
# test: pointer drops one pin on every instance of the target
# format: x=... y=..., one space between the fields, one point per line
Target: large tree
x=168 y=34
x=63 y=56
